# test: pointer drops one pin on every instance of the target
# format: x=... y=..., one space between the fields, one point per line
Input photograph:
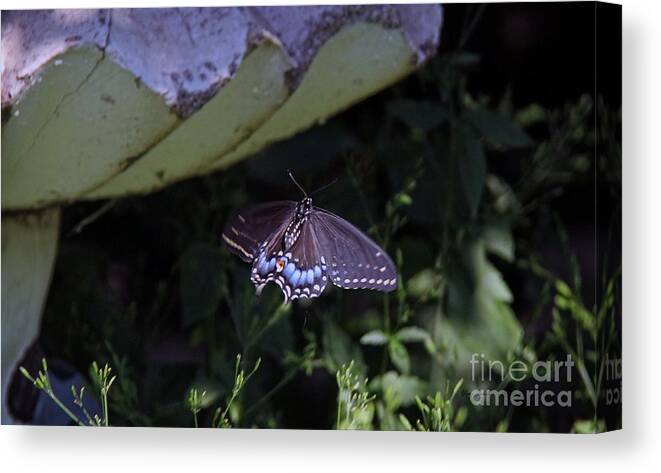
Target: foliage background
x=477 y=174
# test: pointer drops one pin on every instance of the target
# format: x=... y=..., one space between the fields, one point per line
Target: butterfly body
x=300 y=248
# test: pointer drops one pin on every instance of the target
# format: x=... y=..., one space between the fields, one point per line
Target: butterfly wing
x=307 y=257
x=250 y=228
x=300 y=271
x=354 y=261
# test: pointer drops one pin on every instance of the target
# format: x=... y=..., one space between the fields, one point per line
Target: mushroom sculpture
x=100 y=104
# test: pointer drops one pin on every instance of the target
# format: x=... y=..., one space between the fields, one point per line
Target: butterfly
x=301 y=248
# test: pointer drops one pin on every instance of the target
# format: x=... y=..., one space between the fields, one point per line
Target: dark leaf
x=420 y=115
x=200 y=282
x=472 y=166
x=399 y=355
x=340 y=350
x=498 y=129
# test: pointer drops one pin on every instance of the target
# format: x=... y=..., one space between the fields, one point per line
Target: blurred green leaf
x=399 y=355
x=412 y=335
x=533 y=113
x=589 y=426
x=339 y=349
x=498 y=129
x=402 y=388
x=472 y=165
x=505 y=201
x=418 y=114
x=479 y=318
x=425 y=284
x=375 y=337
x=503 y=425
x=498 y=240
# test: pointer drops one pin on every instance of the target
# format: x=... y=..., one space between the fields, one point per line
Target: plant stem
x=282 y=383
x=465 y=36
x=386 y=330
x=64 y=408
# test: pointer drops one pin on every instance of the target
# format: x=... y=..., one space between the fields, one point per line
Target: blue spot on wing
x=295 y=277
x=289 y=270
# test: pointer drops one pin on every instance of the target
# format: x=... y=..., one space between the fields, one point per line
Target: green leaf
x=403 y=388
x=530 y=115
x=200 y=282
x=478 y=318
x=425 y=284
x=340 y=350
x=405 y=422
x=498 y=240
x=421 y=115
x=472 y=166
x=498 y=129
x=412 y=335
x=460 y=418
x=503 y=425
x=399 y=355
x=403 y=199
x=375 y=337
x=456 y=388
x=563 y=288
x=589 y=426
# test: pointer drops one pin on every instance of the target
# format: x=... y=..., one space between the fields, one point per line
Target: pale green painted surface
x=240 y=107
x=29 y=243
x=90 y=130
x=76 y=128
x=357 y=62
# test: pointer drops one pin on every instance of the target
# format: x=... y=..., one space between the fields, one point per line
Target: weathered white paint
x=358 y=61
x=239 y=108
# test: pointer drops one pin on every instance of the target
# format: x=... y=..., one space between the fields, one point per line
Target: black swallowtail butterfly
x=300 y=247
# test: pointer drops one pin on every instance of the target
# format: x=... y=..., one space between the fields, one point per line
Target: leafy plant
x=438 y=412
x=355 y=407
x=221 y=417
x=101 y=380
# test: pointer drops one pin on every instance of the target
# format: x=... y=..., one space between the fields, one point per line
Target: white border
x=635 y=448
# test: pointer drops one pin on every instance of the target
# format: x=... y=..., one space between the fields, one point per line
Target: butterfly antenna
x=291 y=176
x=324 y=187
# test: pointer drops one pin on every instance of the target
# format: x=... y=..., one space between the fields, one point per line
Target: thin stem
x=282 y=383
x=105 y=409
x=64 y=408
x=386 y=330
x=469 y=31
